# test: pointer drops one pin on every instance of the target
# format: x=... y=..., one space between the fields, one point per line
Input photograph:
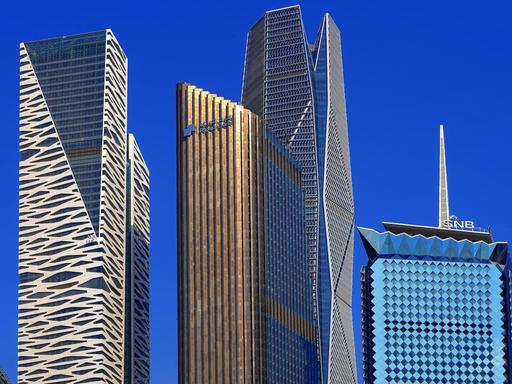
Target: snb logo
x=454 y=223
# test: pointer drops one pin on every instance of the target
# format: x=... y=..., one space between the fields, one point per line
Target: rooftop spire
x=444 y=209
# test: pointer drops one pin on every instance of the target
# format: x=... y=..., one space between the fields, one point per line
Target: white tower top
x=444 y=209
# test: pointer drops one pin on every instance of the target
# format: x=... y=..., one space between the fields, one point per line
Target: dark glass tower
x=298 y=90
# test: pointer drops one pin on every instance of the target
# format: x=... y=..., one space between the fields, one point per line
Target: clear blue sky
x=409 y=65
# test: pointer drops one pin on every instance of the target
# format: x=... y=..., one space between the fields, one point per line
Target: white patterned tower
x=137 y=272
x=72 y=210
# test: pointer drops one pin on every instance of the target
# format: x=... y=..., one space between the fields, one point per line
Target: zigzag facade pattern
x=71 y=292
x=138 y=248
x=112 y=224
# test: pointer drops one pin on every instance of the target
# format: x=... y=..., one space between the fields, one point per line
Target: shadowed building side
x=137 y=359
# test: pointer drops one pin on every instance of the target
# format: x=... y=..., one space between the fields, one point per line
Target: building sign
x=189 y=130
x=215 y=124
x=208 y=126
x=454 y=223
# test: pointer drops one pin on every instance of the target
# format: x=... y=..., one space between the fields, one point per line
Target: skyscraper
x=436 y=301
x=73 y=210
x=298 y=90
x=245 y=300
x=435 y=306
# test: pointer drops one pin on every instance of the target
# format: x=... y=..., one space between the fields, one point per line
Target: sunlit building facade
x=298 y=89
x=245 y=308
x=73 y=204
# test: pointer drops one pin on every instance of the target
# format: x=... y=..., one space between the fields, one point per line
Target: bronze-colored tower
x=243 y=283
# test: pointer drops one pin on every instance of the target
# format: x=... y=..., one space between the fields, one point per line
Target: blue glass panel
x=71 y=73
x=324 y=277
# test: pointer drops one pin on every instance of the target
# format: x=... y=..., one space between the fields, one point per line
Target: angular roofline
x=271 y=11
x=283 y=8
x=193 y=86
x=498 y=250
x=68 y=36
x=442 y=233
x=364 y=229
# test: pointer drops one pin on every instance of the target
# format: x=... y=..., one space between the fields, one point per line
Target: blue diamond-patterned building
x=435 y=306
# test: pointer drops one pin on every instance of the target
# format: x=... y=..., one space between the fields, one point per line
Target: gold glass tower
x=244 y=287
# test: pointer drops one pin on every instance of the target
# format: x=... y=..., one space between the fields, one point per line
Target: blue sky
x=408 y=67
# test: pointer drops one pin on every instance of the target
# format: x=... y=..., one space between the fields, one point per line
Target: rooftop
x=442 y=233
x=432 y=243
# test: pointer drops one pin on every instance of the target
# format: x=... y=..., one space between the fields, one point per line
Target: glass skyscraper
x=83 y=217
x=298 y=90
x=245 y=297
x=436 y=306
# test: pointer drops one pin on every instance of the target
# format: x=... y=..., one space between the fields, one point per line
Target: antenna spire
x=444 y=210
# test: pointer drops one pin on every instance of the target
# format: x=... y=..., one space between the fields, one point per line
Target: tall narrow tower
x=137 y=270
x=72 y=210
x=444 y=209
x=298 y=89
x=245 y=302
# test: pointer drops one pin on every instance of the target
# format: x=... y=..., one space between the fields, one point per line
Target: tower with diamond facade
x=435 y=306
